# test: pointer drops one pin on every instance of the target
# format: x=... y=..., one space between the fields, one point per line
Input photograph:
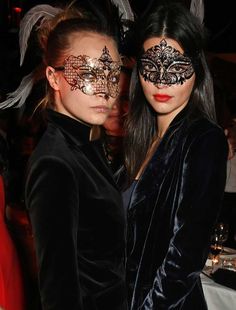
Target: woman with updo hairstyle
x=73 y=202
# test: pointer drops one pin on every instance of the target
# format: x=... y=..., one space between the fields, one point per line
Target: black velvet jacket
x=78 y=220
x=172 y=210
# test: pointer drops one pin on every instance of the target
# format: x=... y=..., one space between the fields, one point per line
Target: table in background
x=218 y=297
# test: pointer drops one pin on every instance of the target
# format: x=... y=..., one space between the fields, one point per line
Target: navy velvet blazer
x=172 y=210
x=77 y=219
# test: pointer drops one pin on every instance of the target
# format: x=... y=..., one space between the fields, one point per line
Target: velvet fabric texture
x=172 y=210
x=77 y=218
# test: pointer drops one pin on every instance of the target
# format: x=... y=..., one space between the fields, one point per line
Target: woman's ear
x=52 y=77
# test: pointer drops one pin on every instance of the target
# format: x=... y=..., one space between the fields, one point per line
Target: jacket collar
x=76 y=129
x=79 y=133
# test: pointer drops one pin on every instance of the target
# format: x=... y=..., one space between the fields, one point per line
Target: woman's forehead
x=157 y=40
x=92 y=44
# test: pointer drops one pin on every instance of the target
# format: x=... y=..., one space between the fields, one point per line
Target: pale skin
x=93 y=109
x=165 y=111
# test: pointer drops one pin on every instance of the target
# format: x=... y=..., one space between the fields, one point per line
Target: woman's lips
x=162 y=97
x=101 y=109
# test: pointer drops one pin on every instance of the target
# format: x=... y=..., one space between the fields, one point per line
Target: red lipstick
x=162 y=97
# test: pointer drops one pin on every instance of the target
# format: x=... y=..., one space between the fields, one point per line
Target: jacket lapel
x=94 y=151
x=155 y=171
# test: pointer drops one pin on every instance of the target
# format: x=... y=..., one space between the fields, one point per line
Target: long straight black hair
x=171 y=20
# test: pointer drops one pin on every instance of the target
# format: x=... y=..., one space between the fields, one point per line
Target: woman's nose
x=161 y=85
x=104 y=95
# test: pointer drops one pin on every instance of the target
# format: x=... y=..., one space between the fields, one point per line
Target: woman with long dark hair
x=175 y=162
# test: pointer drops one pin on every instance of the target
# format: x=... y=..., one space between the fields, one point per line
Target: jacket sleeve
x=199 y=193
x=53 y=202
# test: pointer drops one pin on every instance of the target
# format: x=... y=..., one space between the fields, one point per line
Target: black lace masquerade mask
x=163 y=64
x=93 y=75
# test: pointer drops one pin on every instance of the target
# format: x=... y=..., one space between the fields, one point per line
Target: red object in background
x=17 y=10
x=15 y=17
x=12 y=294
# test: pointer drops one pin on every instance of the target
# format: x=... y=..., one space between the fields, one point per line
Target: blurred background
x=219 y=19
x=22 y=131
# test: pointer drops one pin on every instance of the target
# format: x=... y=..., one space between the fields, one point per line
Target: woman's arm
x=199 y=193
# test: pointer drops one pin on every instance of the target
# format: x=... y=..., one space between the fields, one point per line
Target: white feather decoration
x=125 y=9
x=197 y=9
x=44 y=11
x=20 y=94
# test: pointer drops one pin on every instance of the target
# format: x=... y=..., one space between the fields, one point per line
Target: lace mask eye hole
x=178 y=68
x=87 y=75
x=114 y=77
x=148 y=66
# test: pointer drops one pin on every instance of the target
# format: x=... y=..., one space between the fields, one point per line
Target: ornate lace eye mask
x=163 y=64
x=93 y=75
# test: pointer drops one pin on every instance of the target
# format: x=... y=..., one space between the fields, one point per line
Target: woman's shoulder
x=203 y=126
x=50 y=143
x=203 y=133
x=52 y=148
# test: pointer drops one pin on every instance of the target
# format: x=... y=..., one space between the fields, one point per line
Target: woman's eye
x=87 y=76
x=178 y=68
x=148 y=66
x=114 y=78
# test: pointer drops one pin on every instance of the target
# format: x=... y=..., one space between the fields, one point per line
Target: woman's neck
x=164 y=120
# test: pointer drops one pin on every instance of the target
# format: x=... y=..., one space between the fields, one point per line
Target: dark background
x=220 y=18
x=220 y=21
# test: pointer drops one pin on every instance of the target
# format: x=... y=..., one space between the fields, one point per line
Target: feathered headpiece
x=197 y=9
x=125 y=9
x=41 y=12
x=127 y=18
x=37 y=13
x=20 y=94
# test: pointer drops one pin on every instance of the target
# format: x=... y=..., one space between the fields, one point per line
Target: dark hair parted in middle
x=173 y=21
